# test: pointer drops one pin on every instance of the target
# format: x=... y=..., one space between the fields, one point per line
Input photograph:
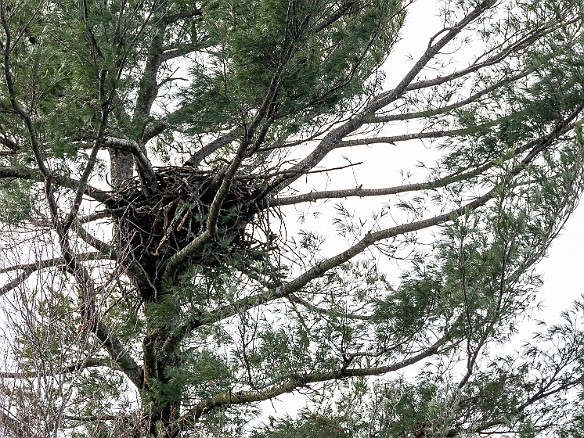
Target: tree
x=154 y=157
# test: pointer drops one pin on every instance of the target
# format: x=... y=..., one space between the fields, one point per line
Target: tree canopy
x=211 y=204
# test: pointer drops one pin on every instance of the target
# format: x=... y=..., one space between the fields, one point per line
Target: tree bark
x=122 y=166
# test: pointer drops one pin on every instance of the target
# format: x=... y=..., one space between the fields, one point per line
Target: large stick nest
x=155 y=226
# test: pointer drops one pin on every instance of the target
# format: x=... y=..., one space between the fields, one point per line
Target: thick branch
x=94 y=241
x=121 y=357
x=198 y=157
x=322 y=267
x=21 y=278
x=178 y=52
x=170 y=19
x=131 y=146
x=148 y=90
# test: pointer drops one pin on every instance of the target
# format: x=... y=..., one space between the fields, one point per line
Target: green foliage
x=309 y=424
x=324 y=66
x=390 y=318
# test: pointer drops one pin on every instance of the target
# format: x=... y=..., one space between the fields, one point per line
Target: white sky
x=563 y=268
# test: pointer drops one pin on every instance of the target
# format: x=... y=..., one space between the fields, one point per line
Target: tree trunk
x=122 y=166
x=161 y=407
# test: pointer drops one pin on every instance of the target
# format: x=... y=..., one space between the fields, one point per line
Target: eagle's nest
x=156 y=226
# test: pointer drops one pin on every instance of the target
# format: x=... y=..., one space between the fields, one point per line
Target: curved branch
x=148 y=90
x=228 y=174
x=362 y=193
x=91 y=318
x=134 y=148
x=322 y=267
x=298 y=381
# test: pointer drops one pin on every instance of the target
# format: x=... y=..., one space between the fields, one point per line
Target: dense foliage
x=211 y=204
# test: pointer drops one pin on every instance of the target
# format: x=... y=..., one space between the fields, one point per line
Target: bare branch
x=362 y=193
x=30 y=268
x=93 y=241
x=448 y=108
x=198 y=157
x=17 y=427
x=89 y=363
x=21 y=278
x=57 y=261
x=178 y=52
x=19 y=172
x=64 y=181
x=297 y=300
x=90 y=418
x=403 y=137
x=148 y=90
x=170 y=19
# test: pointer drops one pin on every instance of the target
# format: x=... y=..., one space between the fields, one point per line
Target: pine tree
x=202 y=211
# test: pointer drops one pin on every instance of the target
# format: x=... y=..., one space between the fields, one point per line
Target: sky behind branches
x=562 y=268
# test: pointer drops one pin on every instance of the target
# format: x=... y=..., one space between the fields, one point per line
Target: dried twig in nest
x=156 y=226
